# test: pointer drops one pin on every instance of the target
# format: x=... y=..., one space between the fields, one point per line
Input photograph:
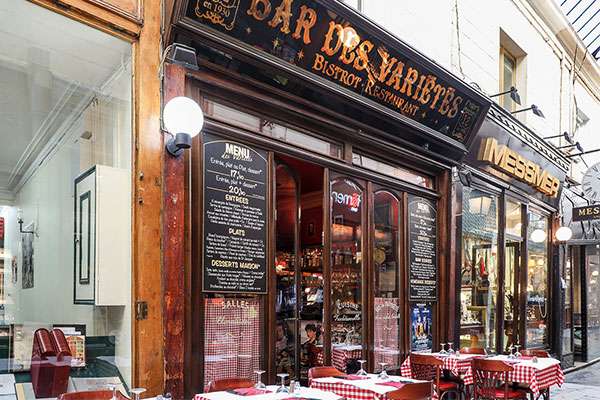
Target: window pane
x=386 y=272
x=592 y=255
x=479 y=274
x=232 y=336
x=392 y=170
x=511 y=268
x=508 y=80
x=537 y=281
x=65 y=167
x=346 y=271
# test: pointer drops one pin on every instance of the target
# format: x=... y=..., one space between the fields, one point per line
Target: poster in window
x=421 y=331
x=235 y=217
x=27 y=257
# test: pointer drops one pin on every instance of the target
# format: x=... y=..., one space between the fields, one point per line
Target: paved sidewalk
x=583 y=384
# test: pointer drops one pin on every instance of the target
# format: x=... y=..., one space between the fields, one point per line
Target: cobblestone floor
x=583 y=384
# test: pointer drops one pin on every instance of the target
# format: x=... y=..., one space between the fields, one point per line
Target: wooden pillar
x=175 y=199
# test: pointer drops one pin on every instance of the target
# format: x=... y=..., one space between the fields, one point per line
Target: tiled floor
x=583 y=384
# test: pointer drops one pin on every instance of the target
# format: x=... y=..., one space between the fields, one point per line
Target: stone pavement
x=583 y=384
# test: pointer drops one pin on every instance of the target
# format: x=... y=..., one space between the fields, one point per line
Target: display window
x=66 y=204
x=479 y=270
x=538 y=301
x=512 y=265
x=592 y=262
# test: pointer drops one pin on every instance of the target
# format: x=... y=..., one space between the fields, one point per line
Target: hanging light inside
x=538 y=235
x=563 y=234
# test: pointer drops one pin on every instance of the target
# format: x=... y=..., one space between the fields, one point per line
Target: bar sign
x=586 y=213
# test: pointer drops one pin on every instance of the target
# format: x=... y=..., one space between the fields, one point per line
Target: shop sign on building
x=315 y=36
x=587 y=213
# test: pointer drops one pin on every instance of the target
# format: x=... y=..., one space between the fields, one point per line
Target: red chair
x=220 y=385
x=411 y=391
x=490 y=381
x=428 y=368
x=324 y=372
x=92 y=395
x=472 y=350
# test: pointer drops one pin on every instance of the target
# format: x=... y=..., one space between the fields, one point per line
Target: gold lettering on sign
x=306 y=20
x=333 y=28
x=258 y=14
x=517 y=166
x=283 y=13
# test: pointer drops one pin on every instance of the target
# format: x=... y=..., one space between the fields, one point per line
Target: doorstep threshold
x=582 y=365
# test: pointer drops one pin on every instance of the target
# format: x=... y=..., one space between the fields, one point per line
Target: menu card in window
x=422 y=239
x=235 y=214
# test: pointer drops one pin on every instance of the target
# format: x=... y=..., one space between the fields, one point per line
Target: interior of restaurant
x=65 y=199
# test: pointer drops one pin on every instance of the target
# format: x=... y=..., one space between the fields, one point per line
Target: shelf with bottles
x=312 y=258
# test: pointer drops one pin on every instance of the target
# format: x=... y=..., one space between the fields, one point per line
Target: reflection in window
x=592 y=261
x=386 y=273
x=537 y=281
x=65 y=166
x=392 y=170
x=511 y=267
x=479 y=272
x=346 y=270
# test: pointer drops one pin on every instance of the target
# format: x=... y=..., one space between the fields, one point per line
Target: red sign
x=1 y=228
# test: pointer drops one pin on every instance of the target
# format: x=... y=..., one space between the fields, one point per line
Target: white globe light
x=183 y=115
x=538 y=236
x=564 y=233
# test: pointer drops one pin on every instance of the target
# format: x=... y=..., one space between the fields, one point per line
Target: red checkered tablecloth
x=340 y=356
x=347 y=391
x=537 y=377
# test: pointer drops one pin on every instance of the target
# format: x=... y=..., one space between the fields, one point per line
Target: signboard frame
x=414 y=232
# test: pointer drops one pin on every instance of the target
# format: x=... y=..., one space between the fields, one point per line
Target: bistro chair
x=411 y=391
x=472 y=350
x=428 y=368
x=490 y=381
x=220 y=385
x=92 y=395
x=323 y=372
x=539 y=353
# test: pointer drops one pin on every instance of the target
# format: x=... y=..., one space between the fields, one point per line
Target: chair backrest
x=92 y=395
x=488 y=375
x=324 y=372
x=472 y=350
x=535 y=353
x=411 y=391
x=220 y=385
x=426 y=368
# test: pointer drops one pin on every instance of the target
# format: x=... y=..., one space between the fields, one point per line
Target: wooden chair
x=324 y=372
x=220 y=385
x=411 y=391
x=490 y=381
x=428 y=368
x=92 y=395
x=472 y=350
x=535 y=353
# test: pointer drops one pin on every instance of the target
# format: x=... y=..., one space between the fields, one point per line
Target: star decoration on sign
x=248 y=30
x=300 y=55
x=424 y=114
x=275 y=43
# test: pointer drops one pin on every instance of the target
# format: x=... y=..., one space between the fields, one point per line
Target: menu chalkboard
x=422 y=249
x=235 y=210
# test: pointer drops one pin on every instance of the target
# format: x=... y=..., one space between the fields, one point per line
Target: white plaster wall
x=589 y=134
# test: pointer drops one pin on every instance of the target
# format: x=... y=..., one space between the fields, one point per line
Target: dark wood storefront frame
x=211 y=82
x=504 y=192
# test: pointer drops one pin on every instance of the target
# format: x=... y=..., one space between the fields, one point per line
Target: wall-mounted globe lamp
x=183 y=119
x=563 y=234
x=538 y=235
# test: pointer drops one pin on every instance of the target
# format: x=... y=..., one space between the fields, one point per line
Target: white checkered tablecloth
x=538 y=376
x=458 y=366
x=341 y=354
x=367 y=389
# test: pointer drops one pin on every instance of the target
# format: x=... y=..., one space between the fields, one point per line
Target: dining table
x=536 y=373
x=269 y=393
x=354 y=387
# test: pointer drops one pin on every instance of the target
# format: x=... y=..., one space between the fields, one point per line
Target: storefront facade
x=320 y=191
x=508 y=286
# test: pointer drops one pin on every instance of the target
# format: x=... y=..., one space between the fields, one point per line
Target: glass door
x=386 y=273
x=512 y=260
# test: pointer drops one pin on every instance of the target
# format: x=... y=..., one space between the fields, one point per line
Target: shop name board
x=512 y=163
x=317 y=39
x=350 y=200
x=587 y=213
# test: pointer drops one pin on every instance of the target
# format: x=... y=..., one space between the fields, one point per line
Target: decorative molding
x=133 y=12
x=517 y=129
